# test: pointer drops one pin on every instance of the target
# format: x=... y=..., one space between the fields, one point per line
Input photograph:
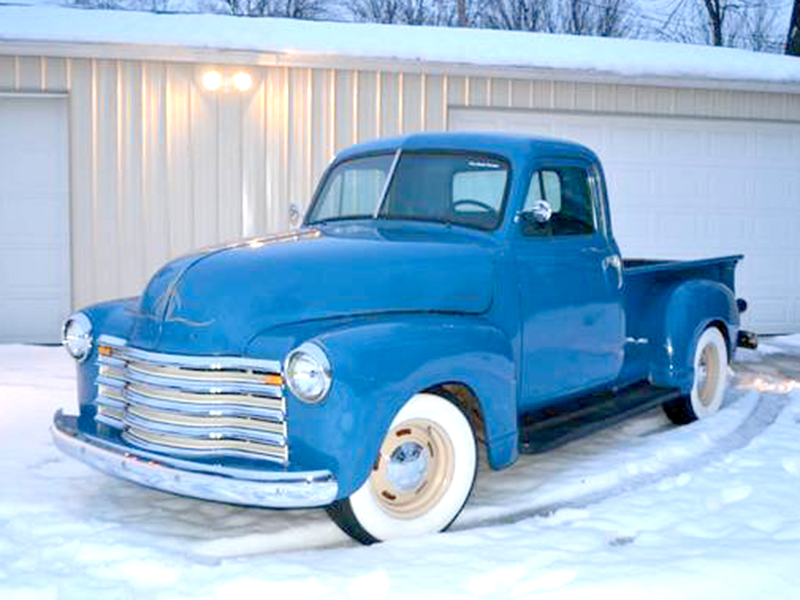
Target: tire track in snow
x=767 y=409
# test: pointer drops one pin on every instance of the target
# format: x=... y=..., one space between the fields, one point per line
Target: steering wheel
x=470 y=202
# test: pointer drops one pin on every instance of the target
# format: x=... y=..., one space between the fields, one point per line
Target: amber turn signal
x=273 y=380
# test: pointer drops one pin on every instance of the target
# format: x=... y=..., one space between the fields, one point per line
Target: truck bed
x=713 y=268
x=649 y=280
x=642 y=274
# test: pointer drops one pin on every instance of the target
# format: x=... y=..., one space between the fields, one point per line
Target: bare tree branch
x=607 y=18
x=407 y=12
x=519 y=15
x=738 y=23
x=293 y=9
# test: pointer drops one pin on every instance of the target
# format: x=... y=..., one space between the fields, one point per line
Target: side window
x=569 y=194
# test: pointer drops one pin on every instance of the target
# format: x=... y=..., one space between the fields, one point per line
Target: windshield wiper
x=340 y=218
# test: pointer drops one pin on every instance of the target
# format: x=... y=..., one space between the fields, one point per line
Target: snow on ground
x=294 y=38
x=643 y=510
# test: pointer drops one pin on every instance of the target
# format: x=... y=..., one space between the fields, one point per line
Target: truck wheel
x=422 y=476
x=710 y=380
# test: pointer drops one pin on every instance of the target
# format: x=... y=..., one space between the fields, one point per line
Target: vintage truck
x=444 y=290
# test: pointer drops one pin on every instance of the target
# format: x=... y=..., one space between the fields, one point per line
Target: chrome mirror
x=294 y=215
x=542 y=211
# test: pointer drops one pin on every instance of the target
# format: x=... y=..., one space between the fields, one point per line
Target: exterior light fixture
x=242 y=81
x=212 y=81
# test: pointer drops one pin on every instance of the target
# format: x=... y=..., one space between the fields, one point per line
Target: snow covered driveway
x=643 y=510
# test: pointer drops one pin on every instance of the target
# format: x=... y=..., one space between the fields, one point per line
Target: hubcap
x=414 y=469
x=407 y=466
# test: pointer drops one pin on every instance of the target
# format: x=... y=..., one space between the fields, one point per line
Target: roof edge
x=212 y=56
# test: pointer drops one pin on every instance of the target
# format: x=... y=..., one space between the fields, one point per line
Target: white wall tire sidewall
x=381 y=525
x=710 y=337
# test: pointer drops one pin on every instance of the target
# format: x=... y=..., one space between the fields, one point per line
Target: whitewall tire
x=710 y=380
x=421 y=478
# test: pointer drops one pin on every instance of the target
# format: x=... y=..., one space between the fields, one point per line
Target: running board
x=548 y=428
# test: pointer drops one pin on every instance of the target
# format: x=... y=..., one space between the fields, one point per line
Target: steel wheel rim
x=414 y=469
x=707 y=374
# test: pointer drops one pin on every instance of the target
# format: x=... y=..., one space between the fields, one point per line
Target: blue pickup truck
x=446 y=293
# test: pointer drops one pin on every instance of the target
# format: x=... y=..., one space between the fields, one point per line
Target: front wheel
x=710 y=380
x=422 y=476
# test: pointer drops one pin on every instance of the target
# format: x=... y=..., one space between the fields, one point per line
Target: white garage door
x=691 y=188
x=34 y=219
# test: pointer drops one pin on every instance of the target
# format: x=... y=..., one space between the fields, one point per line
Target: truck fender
x=689 y=309
x=379 y=365
x=112 y=318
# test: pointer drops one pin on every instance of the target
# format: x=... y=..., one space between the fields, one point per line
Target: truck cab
x=444 y=292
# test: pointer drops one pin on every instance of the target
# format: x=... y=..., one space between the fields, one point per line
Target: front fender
x=690 y=308
x=108 y=318
x=378 y=364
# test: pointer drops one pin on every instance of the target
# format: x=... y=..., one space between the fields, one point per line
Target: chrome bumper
x=265 y=488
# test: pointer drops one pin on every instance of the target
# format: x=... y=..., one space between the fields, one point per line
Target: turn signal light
x=273 y=380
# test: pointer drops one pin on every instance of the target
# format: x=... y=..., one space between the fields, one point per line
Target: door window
x=568 y=191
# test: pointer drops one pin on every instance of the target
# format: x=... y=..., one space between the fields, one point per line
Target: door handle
x=613 y=261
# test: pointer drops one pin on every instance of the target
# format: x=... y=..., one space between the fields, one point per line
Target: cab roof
x=510 y=146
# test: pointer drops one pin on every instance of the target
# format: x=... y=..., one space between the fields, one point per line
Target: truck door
x=569 y=274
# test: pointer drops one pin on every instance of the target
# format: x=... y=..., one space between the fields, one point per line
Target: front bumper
x=267 y=488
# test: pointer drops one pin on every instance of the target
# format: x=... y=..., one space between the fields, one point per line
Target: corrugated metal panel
x=160 y=166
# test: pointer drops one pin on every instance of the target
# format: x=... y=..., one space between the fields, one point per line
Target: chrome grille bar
x=191 y=384
x=208 y=363
x=210 y=433
x=202 y=448
x=208 y=405
x=110 y=416
x=192 y=405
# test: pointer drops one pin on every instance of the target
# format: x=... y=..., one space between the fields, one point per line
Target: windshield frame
x=398 y=154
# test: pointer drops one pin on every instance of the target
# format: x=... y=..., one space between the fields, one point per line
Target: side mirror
x=294 y=215
x=541 y=213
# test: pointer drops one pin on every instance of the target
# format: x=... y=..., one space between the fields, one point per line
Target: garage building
x=115 y=154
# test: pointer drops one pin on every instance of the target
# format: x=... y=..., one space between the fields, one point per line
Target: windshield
x=464 y=189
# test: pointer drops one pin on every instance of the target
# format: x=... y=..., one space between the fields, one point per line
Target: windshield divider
x=387 y=183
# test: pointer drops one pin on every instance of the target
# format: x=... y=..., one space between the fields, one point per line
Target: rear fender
x=691 y=307
x=379 y=364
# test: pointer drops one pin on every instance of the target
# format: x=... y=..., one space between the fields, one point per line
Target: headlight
x=76 y=336
x=308 y=373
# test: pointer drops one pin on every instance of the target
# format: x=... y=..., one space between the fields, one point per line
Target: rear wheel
x=422 y=476
x=710 y=380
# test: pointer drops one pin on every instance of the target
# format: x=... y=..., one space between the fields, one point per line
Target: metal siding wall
x=82 y=175
x=160 y=167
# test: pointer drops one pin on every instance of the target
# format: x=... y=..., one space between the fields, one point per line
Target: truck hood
x=215 y=301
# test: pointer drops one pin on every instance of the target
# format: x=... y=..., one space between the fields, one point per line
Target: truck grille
x=201 y=406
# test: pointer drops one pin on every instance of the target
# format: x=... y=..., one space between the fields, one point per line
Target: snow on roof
x=480 y=47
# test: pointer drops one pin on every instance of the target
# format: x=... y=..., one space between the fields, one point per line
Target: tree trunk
x=462 y=13
x=793 y=39
x=716 y=13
